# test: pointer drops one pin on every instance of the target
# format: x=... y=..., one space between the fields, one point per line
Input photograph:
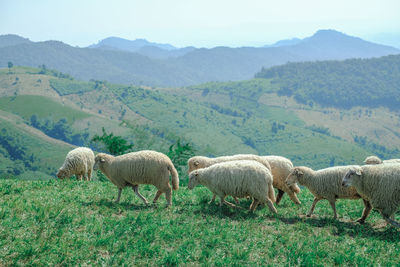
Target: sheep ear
x=298 y=172
x=196 y=163
x=358 y=172
x=102 y=160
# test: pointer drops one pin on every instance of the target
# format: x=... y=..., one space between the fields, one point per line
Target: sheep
x=142 y=167
x=279 y=166
x=199 y=162
x=239 y=178
x=375 y=160
x=78 y=162
x=327 y=184
x=380 y=185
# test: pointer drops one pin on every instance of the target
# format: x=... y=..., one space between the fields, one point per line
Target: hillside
x=342 y=84
x=76 y=223
x=186 y=66
x=215 y=118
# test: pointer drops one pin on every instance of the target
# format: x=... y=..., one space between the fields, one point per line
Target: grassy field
x=76 y=223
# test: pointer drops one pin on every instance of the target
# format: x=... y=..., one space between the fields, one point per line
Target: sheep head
x=294 y=176
x=99 y=160
x=348 y=178
x=193 y=179
x=195 y=163
x=61 y=174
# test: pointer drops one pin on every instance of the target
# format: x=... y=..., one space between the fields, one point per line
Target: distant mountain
x=155 y=66
x=128 y=45
x=12 y=39
x=286 y=42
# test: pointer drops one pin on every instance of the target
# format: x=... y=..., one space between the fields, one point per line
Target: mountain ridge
x=153 y=66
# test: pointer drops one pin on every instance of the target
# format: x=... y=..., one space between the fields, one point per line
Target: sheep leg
x=213 y=199
x=136 y=190
x=366 y=211
x=168 y=196
x=89 y=175
x=313 y=207
x=254 y=205
x=389 y=220
x=223 y=201
x=119 y=195
x=279 y=196
x=332 y=202
x=271 y=206
x=158 y=194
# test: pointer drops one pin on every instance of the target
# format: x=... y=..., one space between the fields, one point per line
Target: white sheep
x=375 y=160
x=239 y=178
x=199 y=162
x=78 y=162
x=380 y=185
x=327 y=184
x=279 y=166
x=142 y=167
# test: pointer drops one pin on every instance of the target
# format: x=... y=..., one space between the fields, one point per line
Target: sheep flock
x=377 y=182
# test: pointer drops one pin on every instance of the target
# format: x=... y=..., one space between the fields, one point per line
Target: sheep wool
x=239 y=178
x=279 y=166
x=327 y=184
x=380 y=185
x=375 y=160
x=142 y=167
x=78 y=162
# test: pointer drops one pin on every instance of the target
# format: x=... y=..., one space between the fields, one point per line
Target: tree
x=115 y=145
x=10 y=65
x=179 y=155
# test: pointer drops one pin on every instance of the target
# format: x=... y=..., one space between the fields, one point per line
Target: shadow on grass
x=349 y=228
x=125 y=205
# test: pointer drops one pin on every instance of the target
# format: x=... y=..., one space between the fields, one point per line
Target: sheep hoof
x=360 y=221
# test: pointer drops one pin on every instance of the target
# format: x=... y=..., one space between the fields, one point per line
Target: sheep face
x=294 y=176
x=61 y=174
x=194 y=164
x=350 y=177
x=193 y=179
x=100 y=159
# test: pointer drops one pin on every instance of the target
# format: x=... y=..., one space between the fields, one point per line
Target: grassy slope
x=48 y=154
x=75 y=223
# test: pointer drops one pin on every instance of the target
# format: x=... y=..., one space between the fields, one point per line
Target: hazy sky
x=203 y=23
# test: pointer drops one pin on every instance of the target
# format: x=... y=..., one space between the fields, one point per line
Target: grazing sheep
x=142 y=167
x=371 y=160
x=279 y=166
x=199 y=162
x=78 y=162
x=380 y=185
x=239 y=178
x=327 y=184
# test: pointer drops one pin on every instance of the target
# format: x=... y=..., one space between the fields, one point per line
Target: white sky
x=203 y=23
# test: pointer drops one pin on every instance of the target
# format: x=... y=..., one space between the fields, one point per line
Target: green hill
x=343 y=84
x=76 y=223
x=215 y=118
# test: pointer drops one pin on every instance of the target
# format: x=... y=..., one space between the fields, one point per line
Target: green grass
x=27 y=105
x=67 y=87
x=76 y=223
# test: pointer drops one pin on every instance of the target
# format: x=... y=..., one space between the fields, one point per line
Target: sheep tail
x=175 y=177
x=295 y=188
x=271 y=193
